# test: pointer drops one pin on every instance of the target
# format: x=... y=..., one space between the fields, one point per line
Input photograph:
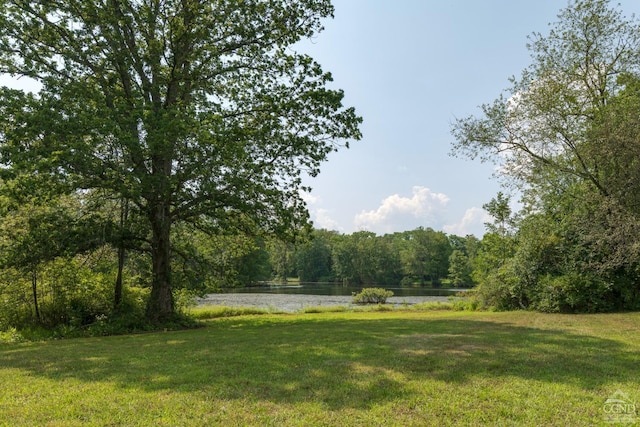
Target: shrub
x=499 y=290
x=11 y=336
x=573 y=292
x=372 y=296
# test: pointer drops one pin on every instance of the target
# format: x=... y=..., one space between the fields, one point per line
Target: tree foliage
x=460 y=269
x=313 y=258
x=425 y=255
x=566 y=133
x=542 y=124
x=193 y=111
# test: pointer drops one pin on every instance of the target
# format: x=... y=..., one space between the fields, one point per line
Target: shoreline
x=297 y=302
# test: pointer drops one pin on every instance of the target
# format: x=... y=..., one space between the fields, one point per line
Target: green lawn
x=369 y=368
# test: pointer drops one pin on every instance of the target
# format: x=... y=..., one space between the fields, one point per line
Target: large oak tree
x=196 y=111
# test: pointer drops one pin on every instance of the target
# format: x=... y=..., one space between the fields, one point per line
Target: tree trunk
x=34 y=290
x=117 y=294
x=160 y=305
x=124 y=213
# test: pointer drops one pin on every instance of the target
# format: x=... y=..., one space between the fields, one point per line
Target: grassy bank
x=352 y=368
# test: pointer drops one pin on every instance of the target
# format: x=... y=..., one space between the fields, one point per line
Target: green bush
x=11 y=336
x=372 y=296
x=569 y=293
x=68 y=293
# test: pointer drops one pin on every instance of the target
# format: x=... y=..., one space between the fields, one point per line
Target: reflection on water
x=337 y=289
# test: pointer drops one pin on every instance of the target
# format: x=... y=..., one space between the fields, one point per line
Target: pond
x=320 y=288
x=295 y=297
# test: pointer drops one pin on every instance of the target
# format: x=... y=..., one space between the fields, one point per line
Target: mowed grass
x=357 y=368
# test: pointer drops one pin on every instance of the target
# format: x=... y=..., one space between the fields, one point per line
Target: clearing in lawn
x=351 y=368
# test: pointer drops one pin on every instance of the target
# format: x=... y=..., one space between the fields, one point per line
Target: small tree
x=502 y=225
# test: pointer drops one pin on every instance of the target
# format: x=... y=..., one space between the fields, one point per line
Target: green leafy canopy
x=192 y=110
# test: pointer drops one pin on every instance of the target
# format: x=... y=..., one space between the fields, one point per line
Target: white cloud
x=397 y=213
x=308 y=198
x=471 y=223
x=322 y=219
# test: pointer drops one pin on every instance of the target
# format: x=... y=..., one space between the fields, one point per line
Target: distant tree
x=205 y=262
x=390 y=262
x=426 y=255
x=457 y=243
x=364 y=258
x=281 y=254
x=193 y=111
x=460 y=269
x=254 y=266
x=313 y=258
x=471 y=246
x=378 y=260
x=343 y=254
x=353 y=257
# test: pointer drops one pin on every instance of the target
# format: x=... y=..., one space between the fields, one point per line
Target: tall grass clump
x=215 y=312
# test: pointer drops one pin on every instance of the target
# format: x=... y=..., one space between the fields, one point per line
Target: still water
x=295 y=297
x=338 y=289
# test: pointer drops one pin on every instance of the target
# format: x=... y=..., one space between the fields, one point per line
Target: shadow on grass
x=339 y=362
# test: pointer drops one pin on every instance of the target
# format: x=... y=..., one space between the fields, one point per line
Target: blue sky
x=410 y=67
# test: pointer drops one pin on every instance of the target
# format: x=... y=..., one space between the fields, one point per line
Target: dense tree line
x=566 y=135
x=421 y=256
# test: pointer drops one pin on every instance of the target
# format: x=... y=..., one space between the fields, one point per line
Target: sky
x=410 y=68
